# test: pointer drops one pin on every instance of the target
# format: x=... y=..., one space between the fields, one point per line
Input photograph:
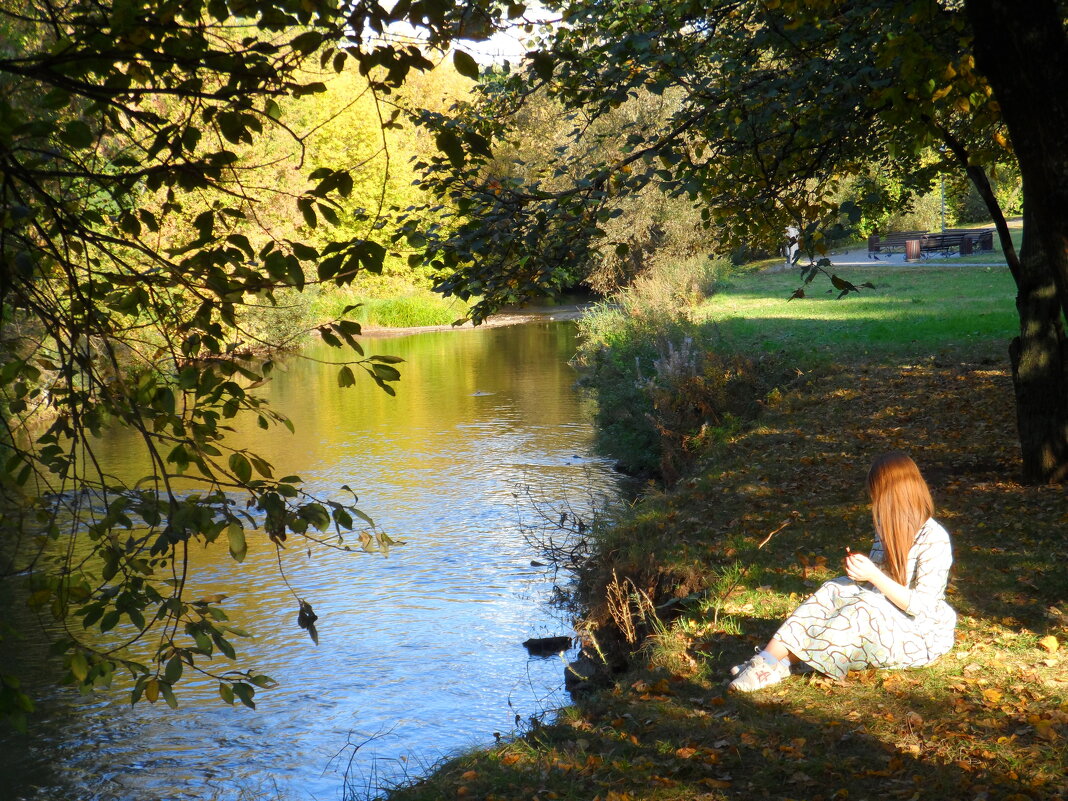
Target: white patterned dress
x=848 y=626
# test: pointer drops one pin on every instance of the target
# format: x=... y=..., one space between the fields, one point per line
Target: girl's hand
x=860 y=568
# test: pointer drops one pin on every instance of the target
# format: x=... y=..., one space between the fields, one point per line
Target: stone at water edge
x=546 y=646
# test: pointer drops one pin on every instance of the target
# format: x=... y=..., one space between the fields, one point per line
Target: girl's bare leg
x=779 y=651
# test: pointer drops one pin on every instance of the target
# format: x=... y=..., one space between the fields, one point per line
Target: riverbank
x=988 y=721
x=518 y=316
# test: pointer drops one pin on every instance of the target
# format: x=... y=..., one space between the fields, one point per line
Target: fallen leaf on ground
x=1050 y=643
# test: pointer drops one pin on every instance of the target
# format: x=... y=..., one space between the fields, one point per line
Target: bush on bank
x=666 y=387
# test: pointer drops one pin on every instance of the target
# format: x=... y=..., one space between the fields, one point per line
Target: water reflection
x=420 y=652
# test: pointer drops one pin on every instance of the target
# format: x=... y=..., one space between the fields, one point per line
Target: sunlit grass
x=921 y=310
x=410 y=307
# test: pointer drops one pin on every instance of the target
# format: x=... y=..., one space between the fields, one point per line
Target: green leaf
x=350 y=327
x=386 y=373
x=76 y=134
x=168 y=695
x=262 y=467
x=449 y=144
x=295 y=273
x=307 y=42
x=465 y=64
x=304 y=252
x=238 y=548
x=240 y=467
x=223 y=645
x=345 y=378
x=174 y=670
x=244 y=693
x=79 y=666
x=543 y=64
x=308 y=211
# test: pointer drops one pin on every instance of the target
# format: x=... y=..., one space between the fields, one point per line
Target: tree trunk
x=1022 y=49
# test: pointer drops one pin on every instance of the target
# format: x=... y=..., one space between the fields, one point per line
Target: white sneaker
x=739 y=668
x=757 y=674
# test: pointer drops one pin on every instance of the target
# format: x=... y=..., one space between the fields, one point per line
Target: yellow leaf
x=992 y=695
x=1045 y=730
x=1050 y=643
x=510 y=759
x=469 y=775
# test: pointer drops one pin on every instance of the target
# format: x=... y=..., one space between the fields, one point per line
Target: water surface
x=420 y=653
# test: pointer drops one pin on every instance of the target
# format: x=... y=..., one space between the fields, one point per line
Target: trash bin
x=912 y=250
x=966 y=246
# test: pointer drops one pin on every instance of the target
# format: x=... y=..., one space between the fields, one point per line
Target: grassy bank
x=912 y=312
x=388 y=305
x=917 y=365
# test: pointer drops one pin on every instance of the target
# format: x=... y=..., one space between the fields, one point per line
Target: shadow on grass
x=675 y=739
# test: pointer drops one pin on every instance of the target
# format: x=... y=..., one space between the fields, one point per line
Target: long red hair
x=900 y=504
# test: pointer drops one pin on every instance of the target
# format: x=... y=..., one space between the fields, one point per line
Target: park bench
x=974 y=239
x=957 y=240
x=920 y=244
x=891 y=242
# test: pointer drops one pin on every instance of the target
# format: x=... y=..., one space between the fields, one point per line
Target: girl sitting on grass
x=889 y=610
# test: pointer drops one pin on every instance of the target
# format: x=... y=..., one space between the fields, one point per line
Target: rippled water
x=420 y=653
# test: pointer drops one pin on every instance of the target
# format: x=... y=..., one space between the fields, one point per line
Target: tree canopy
x=133 y=259
x=775 y=105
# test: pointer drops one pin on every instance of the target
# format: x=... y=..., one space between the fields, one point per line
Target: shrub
x=664 y=389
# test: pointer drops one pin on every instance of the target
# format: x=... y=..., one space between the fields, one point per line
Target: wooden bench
x=974 y=239
x=961 y=240
x=891 y=242
x=924 y=243
x=944 y=243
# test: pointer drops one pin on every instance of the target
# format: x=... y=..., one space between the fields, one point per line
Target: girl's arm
x=934 y=557
x=861 y=568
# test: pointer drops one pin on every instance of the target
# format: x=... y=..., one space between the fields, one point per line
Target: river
x=420 y=652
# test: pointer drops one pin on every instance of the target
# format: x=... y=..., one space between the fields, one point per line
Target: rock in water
x=546 y=646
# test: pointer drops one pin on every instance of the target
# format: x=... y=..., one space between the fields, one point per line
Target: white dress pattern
x=848 y=626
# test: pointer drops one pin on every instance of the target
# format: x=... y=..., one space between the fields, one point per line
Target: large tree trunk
x=1022 y=48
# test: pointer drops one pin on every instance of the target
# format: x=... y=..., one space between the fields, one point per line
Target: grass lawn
x=917 y=364
x=912 y=311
